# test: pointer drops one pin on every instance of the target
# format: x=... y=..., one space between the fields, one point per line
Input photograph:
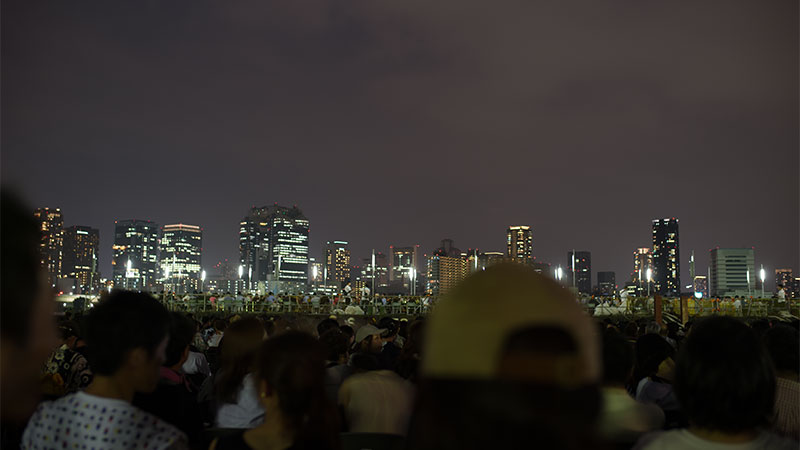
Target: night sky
x=403 y=122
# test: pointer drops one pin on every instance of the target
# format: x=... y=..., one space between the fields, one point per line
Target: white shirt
x=82 y=420
x=781 y=295
x=378 y=401
x=353 y=309
x=196 y=363
x=247 y=412
x=213 y=341
x=624 y=419
x=684 y=440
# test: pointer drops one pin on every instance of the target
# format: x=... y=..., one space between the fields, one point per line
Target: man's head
x=69 y=333
x=27 y=328
x=127 y=337
x=617 y=359
x=391 y=329
x=783 y=345
x=327 y=325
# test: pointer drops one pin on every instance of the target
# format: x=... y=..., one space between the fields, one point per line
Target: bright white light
x=763 y=274
x=241 y=270
x=314 y=272
x=698 y=295
x=129 y=265
x=203 y=275
x=649 y=274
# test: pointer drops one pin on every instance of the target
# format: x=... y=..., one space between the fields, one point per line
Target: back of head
x=617 y=359
x=237 y=352
x=326 y=325
x=125 y=321
x=20 y=244
x=509 y=356
x=783 y=345
x=293 y=366
x=651 y=351
x=724 y=379
x=336 y=344
x=181 y=333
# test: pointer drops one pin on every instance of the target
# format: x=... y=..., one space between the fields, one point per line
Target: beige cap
x=466 y=332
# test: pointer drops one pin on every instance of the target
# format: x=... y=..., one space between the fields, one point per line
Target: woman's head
x=290 y=374
x=724 y=378
x=237 y=353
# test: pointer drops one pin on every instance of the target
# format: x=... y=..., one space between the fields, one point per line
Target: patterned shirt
x=787 y=408
x=84 y=421
x=67 y=370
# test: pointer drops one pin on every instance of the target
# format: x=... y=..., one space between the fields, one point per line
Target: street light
x=241 y=272
x=412 y=272
x=649 y=279
x=202 y=281
x=559 y=273
x=763 y=275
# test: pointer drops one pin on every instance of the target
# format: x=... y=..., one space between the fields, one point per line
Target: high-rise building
x=135 y=258
x=785 y=278
x=642 y=260
x=315 y=272
x=51 y=246
x=607 y=283
x=382 y=270
x=181 y=252
x=273 y=247
x=519 y=247
x=579 y=271
x=81 y=256
x=337 y=263
x=732 y=272
x=666 y=257
x=403 y=260
x=700 y=284
x=446 y=268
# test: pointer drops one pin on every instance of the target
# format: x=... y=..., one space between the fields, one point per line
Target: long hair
x=237 y=354
x=293 y=365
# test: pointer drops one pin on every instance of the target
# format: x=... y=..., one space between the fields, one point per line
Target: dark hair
x=125 y=321
x=783 y=345
x=237 y=352
x=390 y=325
x=651 y=351
x=348 y=330
x=336 y=344
x=20 y=270
x=408 y=362
x=293 y=365
x=724 y=378
x=325 y=325
x=220 y=324
x=181 y=334
x=617 y=358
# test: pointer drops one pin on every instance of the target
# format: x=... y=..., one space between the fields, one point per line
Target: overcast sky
x=403 y=122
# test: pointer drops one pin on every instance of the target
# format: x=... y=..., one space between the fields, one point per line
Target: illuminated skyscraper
x=446 y=268
x=135 y=258
x=181 y=252
x=732 y=272
x=579 y=271
x=381 y=271
x=666 y=257
x=337 y=263
x=51 y=246
x=520 y=244
x=81 y=256
x=607 y=283
x=785 y=278
x=404 y=259
x=273 y=247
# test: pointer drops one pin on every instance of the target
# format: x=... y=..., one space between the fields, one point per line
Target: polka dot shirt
x=87 y=422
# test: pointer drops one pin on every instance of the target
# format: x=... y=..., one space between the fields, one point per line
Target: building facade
x=607 y=283
x=579 y=271
x=273 y=248
x=337 y=263
x=81 y=257
x=446 y=268
x=51 y=245
x=403 y=261
x=519 y=244
x=732 y=272
x=785 y=278
x=181 y=250
x=135 y=254
x=666 y=257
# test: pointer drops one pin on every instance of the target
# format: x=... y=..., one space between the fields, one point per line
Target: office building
x=700 y=285
x=273 y=248
x=181 y=252
x=403 y=260
x=732 y=272
x=446 y=268
x=51 y=245
x=382 y=270
x=135 y=254
x=519 y=244
x=81 y=257
x=337 y=263
x=607 y=283
x=579 y=271
x=785 y=278
x=666 y=257
x=315 y=272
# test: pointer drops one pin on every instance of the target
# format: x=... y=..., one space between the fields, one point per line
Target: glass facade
x=81 y=257
x=135 y=254
x=181 y=251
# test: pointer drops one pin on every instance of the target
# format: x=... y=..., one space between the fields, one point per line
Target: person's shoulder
x=774 y=441
x=157 y=432
x=659 y=440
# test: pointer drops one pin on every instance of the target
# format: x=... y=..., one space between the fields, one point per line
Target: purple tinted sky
x=405 y=122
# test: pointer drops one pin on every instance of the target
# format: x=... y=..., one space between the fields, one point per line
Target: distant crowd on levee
x=506 y=360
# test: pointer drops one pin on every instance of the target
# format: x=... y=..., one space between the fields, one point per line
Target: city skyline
x=395 y=123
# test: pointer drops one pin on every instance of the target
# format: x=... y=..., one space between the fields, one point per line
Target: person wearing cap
x=510 y=360
x=389 y=350
x=373 y=399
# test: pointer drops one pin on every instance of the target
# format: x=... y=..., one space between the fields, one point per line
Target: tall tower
x=81 y=257
x=666 y=257
x=181 y=257
x=579 y=270
x=519 y=244
x=135 y=258
x=337 y=263
x=51 y=246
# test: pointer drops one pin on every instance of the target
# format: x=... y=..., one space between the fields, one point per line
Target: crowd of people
x=508 y=360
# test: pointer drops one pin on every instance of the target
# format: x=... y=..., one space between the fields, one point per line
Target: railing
x=406 y=306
